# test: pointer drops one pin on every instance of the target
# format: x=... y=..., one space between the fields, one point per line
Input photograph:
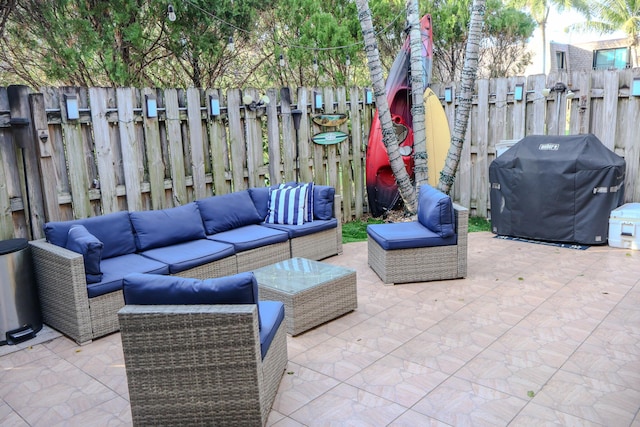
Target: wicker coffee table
x=312 y=292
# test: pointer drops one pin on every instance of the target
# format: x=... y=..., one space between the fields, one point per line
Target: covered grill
x=556 y=188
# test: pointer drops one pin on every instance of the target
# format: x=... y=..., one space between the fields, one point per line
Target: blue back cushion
x=260 y=197
x=154 y=229
x=323 y=198
x=435 y=211
x=81 y=241
x=113 y=230
x=228 y=211
x=154 y=289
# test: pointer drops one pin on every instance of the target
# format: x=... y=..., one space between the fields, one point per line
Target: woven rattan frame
x=423 y=264
x=199 y=364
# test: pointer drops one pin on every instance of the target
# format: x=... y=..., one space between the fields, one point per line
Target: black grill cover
x=556 y=188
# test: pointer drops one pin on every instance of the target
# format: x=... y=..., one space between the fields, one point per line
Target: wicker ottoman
x=312 y=292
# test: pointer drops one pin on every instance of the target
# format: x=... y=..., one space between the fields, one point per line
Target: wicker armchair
x=422 y=264
x=199 y=364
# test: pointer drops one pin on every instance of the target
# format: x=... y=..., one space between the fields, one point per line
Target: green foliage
x=503 y=51
x=356 y=231
x=477 y=223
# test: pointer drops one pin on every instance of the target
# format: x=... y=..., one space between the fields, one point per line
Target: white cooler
x=624 y=226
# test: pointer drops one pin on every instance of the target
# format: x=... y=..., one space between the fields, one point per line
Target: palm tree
x=467 y=84
x=389 y=138
x=417 y=94
x=610 y=16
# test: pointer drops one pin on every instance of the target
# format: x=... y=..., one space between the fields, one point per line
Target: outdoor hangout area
x=534 y=334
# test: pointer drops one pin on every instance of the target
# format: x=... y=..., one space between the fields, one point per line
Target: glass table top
x=298 y=274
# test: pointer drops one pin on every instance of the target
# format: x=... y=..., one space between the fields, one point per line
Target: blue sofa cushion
x=85 y=243
x=250 y=237
x=323 y=198
x=435 y=211
x=287 y=205
x=228 y=211
x=151 y=289
x=406 y=235
x=306 y=228
x=184 y=256
x=260 y=197
x=271 y=316
x=165 y=227
x=113 y=230
x=114 y=269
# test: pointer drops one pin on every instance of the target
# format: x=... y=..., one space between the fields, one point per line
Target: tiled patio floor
x=535 y=335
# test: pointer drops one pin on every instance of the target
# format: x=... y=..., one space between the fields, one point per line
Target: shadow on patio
x=535 y=335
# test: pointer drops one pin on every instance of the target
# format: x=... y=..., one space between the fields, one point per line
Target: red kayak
x=382 y=189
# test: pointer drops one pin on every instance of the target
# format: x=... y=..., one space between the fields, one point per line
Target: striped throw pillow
x=286 y=205
x=308 y=207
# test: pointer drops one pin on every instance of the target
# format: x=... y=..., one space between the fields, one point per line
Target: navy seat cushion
x=85 y=243
x=271 y=316
x=250 y=237
x=184 y=256
x=304 y=229
x=114 y=269
x=228 y=211
x=323 y=199
x=260 y=197
x=113 y=230
x=165 y=227
x=406 y=235
x=435 y=211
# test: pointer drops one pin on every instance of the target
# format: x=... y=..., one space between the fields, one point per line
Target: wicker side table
x=312 y=292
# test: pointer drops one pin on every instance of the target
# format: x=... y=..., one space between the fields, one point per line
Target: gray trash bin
x=20 y=317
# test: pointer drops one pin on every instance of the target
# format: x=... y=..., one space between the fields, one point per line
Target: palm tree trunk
x=467 y=83
x=418 y=83
x=389 y=138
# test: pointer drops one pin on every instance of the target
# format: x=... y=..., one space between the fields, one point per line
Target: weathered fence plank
x=132 y=161
x=176 y=153
x=196 y=143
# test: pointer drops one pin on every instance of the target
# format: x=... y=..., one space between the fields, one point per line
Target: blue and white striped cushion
x=286 y=206
x=308 y=207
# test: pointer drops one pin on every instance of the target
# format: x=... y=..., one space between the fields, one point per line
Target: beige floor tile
x=338 y=358
x=413 y=419
x=51 y=392
x=541 y=416
x=607 y=364
x=299 y=386
x=444 y=353
x=380 y=334
x=462 y=403
x=507 y=373
x=9 y=418
x=398 y=380
x=346 y=405
x=596 y=400
x=114 y=413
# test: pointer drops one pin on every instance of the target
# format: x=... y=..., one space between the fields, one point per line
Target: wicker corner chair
x=199 y=364
x=423 y=264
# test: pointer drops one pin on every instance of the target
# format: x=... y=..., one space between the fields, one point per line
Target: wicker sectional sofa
x=213 y=237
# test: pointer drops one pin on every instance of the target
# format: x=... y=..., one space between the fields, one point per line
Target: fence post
x=24 y=136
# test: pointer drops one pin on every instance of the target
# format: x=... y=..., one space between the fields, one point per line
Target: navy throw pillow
x=81 y=241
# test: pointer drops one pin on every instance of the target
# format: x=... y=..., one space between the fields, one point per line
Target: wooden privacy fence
x=78 y=152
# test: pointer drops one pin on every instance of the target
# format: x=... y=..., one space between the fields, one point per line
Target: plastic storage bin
x=624 y=226
x=20 y=316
